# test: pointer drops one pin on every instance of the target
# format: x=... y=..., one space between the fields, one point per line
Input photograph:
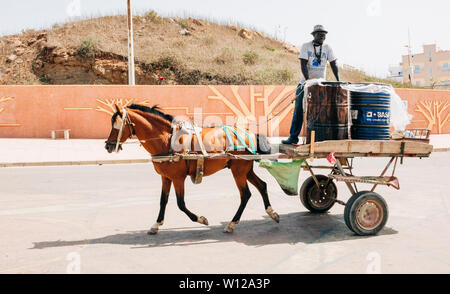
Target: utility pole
x=131 y=74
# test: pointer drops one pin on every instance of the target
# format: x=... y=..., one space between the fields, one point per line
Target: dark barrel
x=327 y=113
x=371 y=114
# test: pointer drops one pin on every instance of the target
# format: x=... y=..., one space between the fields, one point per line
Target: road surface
x=94 y=219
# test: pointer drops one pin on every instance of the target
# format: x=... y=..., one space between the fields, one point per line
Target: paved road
x=93 y=219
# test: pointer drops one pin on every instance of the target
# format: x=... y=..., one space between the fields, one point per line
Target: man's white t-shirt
x=316 y=70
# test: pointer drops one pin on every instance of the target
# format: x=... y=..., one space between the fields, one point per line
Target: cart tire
x=366 y=213
x=311 y=198
x=347 y=208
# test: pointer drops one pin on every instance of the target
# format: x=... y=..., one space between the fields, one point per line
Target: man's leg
x=297 y=119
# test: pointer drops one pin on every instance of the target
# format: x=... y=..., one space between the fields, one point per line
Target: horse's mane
x=153 y=110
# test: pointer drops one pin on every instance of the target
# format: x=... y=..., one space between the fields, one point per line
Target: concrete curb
x=68 y=163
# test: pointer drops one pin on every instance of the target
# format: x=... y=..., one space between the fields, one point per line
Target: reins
x=284 y=108
x=126 y=120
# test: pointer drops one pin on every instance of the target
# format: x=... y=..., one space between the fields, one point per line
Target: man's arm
x=335 y=69
x=305 y=72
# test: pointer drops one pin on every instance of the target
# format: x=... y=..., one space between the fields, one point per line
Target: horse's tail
x=263 y=145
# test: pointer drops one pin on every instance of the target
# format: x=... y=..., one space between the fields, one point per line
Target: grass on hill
x=214 y=48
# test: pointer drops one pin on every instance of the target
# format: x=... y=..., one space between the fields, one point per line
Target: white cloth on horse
x=184 y=128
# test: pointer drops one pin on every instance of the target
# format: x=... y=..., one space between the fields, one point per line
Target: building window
x=431 y=73
x=400 y=74
x=417 y=69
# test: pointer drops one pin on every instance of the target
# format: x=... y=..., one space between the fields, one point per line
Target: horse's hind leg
x=166 y=183
x=262 y=188
x=240 y=177
x=179 y=190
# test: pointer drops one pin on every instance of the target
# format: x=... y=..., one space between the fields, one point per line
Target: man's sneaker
x=289 y=141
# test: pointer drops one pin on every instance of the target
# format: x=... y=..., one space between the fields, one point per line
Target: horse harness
x=190 y=129
x=125 y=121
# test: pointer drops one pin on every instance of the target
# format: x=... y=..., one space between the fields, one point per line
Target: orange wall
x=33 y=111
x=430 y=109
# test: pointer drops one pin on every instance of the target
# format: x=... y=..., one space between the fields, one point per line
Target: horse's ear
x=118 y=109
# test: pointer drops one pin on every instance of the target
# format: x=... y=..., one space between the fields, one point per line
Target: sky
x=367 y=34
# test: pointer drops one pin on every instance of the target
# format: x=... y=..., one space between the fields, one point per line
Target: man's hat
x=319 y=28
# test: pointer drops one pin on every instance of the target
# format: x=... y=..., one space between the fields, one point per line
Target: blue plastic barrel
x=371 y=115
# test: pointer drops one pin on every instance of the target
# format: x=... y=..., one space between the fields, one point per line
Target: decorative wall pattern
x=3 y=105
x=266 y=98
x=437 y=113
x=108 y=105
x=33 y=111
x=4 y=99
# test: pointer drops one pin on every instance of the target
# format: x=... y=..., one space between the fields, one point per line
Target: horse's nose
x=109 y=147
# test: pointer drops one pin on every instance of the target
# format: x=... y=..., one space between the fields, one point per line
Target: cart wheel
x=313 y=199
x=366 y=213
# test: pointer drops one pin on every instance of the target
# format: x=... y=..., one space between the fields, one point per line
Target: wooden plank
x=212 y=156
x=365 y=147
x=312 y=145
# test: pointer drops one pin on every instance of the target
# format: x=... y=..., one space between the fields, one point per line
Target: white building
x=396 y=73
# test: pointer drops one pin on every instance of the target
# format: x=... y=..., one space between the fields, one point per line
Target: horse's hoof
x=202 y=220
x=154 y=230
x=228 y=230
x=276 y=217
x=273 y=215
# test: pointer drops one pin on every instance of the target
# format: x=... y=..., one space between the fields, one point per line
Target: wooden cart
x=366 y=212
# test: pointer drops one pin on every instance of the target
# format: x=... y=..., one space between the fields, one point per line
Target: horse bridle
x=125 y=121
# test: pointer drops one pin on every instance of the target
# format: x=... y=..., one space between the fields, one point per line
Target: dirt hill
x=167 y=51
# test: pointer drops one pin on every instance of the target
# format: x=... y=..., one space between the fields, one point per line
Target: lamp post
x=131 y=74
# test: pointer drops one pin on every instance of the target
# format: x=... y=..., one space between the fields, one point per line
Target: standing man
x=313 y=57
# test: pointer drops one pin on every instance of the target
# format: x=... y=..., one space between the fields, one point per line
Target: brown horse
x=154 y=130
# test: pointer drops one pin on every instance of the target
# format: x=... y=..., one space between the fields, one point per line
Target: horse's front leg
x=179 y=190
x=240 y=170
x=245 y=196
x=166 y=183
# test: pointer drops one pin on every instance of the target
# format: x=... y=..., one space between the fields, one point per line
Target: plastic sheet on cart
x=400 y=117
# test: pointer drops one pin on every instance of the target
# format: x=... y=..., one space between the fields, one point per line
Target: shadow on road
x=302 y=227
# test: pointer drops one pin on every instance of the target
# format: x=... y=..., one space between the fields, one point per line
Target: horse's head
x=122 y=129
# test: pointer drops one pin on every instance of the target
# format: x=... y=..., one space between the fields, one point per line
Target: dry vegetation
x=211 y=53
